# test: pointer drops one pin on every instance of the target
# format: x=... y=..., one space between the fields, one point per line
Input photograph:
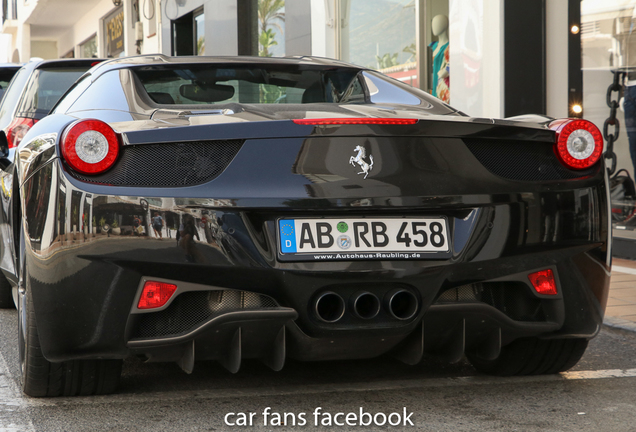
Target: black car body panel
x=503 y=224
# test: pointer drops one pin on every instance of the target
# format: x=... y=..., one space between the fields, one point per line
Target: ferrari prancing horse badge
x=359 y=159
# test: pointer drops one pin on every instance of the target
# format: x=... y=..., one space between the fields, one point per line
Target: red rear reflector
x=543 y=281
x=17 y=129
x=360 y=120
x=155 y=294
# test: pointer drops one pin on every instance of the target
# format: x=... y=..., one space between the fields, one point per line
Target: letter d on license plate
x=363 y=238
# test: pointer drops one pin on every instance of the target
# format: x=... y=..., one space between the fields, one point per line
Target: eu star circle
x=287 y=229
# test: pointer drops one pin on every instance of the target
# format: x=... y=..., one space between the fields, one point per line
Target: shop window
x=608 y=44
x=380 y=35
x=114 y=33
x=88 y=48
x=199 y=32
x=188 y=34
x=383 y=35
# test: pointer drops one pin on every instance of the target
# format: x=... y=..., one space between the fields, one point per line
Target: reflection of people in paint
x=186 y=241
x=180 y=232
x=137 y=228
x=157 y=225
x=441 y=67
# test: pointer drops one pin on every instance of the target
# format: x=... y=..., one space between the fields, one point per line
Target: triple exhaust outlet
x=400 y=304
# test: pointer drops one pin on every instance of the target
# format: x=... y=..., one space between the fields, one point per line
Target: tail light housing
x=579 y=143
x=90 y=146
x=17 y=129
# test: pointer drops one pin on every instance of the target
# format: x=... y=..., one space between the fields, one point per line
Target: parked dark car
x=182 y=209
x=7 y=71
x=38 y=86
x=30 y=95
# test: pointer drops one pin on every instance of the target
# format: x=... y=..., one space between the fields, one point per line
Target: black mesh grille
x=463 y=294
x=191 y=309
x=511 y=298
x=170 y=164
x=522 y=160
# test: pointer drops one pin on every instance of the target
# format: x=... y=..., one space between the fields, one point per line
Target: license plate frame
x=290 y=227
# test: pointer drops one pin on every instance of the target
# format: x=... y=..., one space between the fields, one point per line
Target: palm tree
x=410 y=50
x=387 y=60
x=266 y=39
x=269 y=15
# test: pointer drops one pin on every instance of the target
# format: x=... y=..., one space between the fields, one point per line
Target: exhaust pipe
x=401 y=304
x=365 y=305
x=330 y=307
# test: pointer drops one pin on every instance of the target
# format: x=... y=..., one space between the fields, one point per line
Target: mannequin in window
x=628 y=101
x=628 y=105
x=441 y=67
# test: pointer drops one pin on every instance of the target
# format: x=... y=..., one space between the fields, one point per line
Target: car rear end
x=320 y=232
x=431 y=237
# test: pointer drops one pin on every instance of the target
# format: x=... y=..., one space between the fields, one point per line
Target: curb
x=619 y=323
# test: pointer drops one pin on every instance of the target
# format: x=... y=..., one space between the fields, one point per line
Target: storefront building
x=88 y=28
x=489 y=58
x=392 y=36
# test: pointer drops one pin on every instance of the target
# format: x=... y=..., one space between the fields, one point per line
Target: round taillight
x=90 y=146
x=579 y=143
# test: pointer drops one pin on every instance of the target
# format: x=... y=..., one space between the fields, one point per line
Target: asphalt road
x=598 y=395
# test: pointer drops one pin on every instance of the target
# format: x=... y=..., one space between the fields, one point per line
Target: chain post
x=613 y=105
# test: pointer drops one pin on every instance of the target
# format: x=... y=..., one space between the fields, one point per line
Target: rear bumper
x=479 y=294
x=103 y=326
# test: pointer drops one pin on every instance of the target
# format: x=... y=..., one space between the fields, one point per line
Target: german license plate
x=363 y=238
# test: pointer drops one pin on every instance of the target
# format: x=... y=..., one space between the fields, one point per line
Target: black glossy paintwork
x=236 y=248
x=499 y=228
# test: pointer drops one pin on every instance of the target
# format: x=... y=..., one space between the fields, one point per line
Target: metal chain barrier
x=613 y=105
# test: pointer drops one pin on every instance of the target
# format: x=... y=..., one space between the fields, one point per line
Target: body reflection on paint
x=186 y=240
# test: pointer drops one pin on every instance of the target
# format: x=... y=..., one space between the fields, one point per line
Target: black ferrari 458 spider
x=182 y=209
